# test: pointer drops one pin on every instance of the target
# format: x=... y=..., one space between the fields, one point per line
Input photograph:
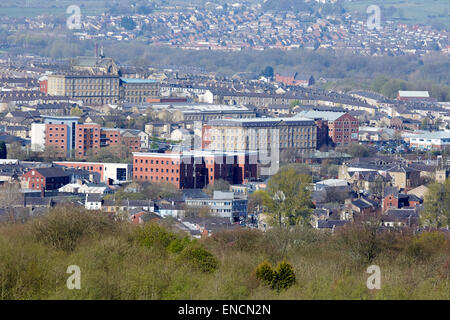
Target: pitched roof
x=94 y=197
x=52 y=172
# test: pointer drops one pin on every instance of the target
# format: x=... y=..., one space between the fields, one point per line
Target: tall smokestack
x=96 y=49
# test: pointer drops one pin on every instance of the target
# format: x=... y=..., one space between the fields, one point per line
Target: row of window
x=156 y=170
x=157 y=178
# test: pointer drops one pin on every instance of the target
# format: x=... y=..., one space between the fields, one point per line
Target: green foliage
x=199 y=258
x=265 y=273
x=426 y=245
x=288 y=198
x=76 y=111
x=63 y=228
x=154 y=235
x=116 y=265
x=177 y=245
x=282 y=278
x=436 y=213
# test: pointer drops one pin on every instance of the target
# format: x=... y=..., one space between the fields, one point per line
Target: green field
x=434 y=12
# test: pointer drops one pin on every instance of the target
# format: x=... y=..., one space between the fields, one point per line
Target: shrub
x=177 y=245
x=240 y=239
x=284 y=277
x=199 y=258
x=64 y=227
x=265 y=273
x=361 y=241
x=154 y=235
x=426 y=245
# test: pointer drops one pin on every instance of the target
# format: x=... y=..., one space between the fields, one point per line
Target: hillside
x=121 y=261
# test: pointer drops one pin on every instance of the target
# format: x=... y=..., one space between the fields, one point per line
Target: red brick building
x=56 y=139
x=343 y=128
x=87 y=138
x=395 y=200
x=192 y=169
x=93 y=137
x=45 y=178
x=43 y=86
x=294 y=79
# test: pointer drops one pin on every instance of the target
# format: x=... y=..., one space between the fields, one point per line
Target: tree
x=15 y=151
x=288 y=198
x=218 y=185
x=3 y=152
x=425 y=124
x=295 y=103
x=10 y=197
x=357 y=150
x=76 y=111
x=436 y=213
x=128 y=23
x=268 y=72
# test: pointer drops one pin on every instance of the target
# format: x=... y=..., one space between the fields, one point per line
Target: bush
x=239 y=239
x=426 y=245
x=199 y=258
x=177 y=245
x=282 y=278
x=265 y=273
x=64 y=227
x=154 y=235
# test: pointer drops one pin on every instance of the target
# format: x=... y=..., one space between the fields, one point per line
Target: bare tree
x=10 y=198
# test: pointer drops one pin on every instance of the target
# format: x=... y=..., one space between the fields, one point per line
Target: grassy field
x=407 y=11
x=124 y=261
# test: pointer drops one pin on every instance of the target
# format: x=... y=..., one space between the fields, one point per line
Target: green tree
x=283 y=277
x=76 y=111
x=265 y=273
x=288 y=198
x=436 y=213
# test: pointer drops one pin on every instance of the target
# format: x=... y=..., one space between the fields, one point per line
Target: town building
x=138 y=90
x=289 y=134
x=193 y=169
x=342 y=128
x=110 y=173
x=293 y=78
x=438 y=140
x=42 y=179
x=413 y=96
x=222 y=204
